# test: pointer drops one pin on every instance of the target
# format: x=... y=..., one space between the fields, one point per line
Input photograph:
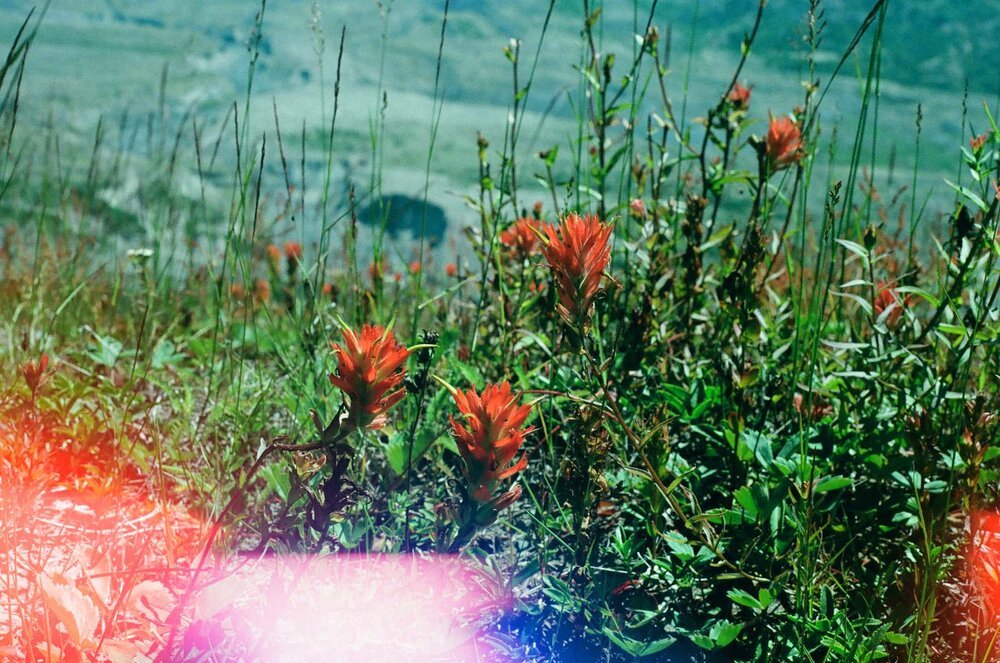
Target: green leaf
x=936 y=486
x=854 y=248
x=397 y=451
x=107 y=352
x=775 y=522
x=702 y=641
x=550 y=156
x=861 y=301
x=786 y=466
x=955 y=330
x=744 y=598
x=976 y=200
x=638 y=648
x=919 y=292
x=724 y=633
x=469 y=373
x=682 y=549
x=716 y=238
x=672 y=486
x=277 y=479
x=744 y=497
x=675 y=398
x=165 y=354
x=843 y=345
x=760 y=445
x=827 y=484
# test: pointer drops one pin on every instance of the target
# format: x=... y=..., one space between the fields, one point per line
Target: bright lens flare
x=983 y=560
x=96 y=565
x=356 y=608
x=90 y=561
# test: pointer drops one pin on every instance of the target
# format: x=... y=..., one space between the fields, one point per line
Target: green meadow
x=474 y=330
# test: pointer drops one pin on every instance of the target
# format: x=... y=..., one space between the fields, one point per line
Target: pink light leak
x=96 y=567
x=983 y=560
x=357 y=608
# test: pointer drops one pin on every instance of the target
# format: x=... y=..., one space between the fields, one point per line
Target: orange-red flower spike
x=521 y=237
x=888 y=299
x=783 y=145
x=370 y=371
x=488 y=435
x=578 y=252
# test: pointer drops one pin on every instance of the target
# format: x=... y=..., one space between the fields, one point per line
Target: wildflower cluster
x=736 y=380
x=489 y=431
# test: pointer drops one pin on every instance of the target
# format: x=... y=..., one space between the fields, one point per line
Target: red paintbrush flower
x=273 y=255
x=262 y=289
x=34 y=372
x=488 y=436
x=578 y=253
x=637 y=208
x=739 y=96
x=521 y=237
x=783 y=145
x=376 y=271
x=888 y=299
x=820 y=408
x=369 y=371
x=293 y=254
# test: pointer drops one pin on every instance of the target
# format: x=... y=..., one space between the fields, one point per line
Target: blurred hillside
x=107 y=58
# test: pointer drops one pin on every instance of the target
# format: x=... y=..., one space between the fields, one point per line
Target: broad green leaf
x=854 y=248
x=724 y=633
x=744 y=598
x=966 y=192
x=827 y=484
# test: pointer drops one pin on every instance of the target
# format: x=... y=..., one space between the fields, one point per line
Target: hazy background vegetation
x=109 y=59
